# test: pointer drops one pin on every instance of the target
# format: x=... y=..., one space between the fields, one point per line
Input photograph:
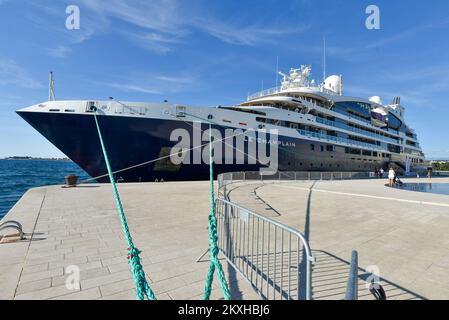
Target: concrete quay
x=400 y=234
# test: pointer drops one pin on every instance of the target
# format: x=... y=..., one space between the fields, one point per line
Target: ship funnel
x=397 y=100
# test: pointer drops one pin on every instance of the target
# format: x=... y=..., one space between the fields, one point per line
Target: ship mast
x=51 y=87
x=324 y=58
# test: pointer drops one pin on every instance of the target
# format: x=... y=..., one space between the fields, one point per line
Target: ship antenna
x=277 y=71
x=51 y=87
x=324 y=58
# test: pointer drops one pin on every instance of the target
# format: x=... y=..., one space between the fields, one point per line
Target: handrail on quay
x=353 y=278
x=228 y=178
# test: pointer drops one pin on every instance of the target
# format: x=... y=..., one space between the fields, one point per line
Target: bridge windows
x=352 y=151
x=366 y=153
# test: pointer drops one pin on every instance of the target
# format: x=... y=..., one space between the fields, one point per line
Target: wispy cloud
x=127 y=87
x=408 y=33
x=155 y=42
x=160 y=84
x=248 y=35
x=159 y=25
x=59 y=51
x=12 y=74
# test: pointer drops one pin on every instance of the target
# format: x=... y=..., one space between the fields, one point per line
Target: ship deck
x=402 y=233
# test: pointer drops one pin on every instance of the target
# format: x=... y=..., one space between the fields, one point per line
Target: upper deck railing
x=285 y=88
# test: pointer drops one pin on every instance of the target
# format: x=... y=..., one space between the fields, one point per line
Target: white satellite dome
x=376 y=99
x=334 y=83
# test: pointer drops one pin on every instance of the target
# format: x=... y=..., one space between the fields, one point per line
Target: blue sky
x=216 y=52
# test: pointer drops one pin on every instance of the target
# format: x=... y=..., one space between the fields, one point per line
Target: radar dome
x=376 y=99
x=334 y=83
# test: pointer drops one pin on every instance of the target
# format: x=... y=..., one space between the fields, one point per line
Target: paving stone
x=33 y=286
x=117 y=287
x=43 y=294
x=88 y=294
x=41 y=275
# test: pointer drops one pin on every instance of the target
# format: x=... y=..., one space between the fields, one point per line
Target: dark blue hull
x=131 y=141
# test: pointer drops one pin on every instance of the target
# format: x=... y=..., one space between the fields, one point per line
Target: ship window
x=180 y=111
x=322 y=148
x=366 y=152
x=294 y=125
x=330 y=148
x=312 y=147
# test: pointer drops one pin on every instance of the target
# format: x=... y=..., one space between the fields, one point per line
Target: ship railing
x=264 y=93
x=317 y=135
x=273 y=258
x=228 y=178
x=284 y=87
x=356 y=130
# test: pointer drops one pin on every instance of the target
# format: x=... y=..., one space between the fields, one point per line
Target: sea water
x=17 y=176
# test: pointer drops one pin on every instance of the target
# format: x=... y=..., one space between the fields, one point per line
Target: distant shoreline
x=33 y=158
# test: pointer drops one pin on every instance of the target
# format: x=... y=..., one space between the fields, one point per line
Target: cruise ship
x=317 y=128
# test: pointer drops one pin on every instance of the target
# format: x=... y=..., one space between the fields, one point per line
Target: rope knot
x=133 y=255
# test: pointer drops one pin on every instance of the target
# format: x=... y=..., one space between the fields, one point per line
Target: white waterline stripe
x=368 y=196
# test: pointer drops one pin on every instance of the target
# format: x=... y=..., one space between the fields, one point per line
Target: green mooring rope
x=142 y=287
x=213 y=237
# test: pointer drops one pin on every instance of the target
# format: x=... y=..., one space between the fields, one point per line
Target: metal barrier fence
x=353 y=278
x=225 y=179
x=274 y=258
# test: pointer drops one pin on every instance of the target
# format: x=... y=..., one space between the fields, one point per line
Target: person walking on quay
x=391 y=176
x=429 y=173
